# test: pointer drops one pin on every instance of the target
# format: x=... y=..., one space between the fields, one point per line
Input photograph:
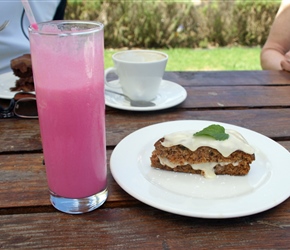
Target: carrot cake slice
x=210 y=152
x=22 y=68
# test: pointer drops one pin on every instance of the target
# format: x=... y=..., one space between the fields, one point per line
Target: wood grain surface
x=257 y=100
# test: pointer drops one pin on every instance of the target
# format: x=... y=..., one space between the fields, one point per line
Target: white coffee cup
x=140 y=73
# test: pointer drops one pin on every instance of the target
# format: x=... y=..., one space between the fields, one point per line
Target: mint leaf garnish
x=215 y=131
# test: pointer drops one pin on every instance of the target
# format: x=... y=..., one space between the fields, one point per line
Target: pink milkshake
x=68 y=68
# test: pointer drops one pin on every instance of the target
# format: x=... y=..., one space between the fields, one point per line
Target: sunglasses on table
x=22 y=105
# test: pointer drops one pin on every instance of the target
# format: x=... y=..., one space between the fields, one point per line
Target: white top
x=13 y=42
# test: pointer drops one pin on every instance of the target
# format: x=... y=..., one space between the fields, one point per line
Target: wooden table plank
x=229 y=78
x=22 y=135
x=23 y=175
x=285 y=144
x=18 y=134
x=237 y=96
x=273 y=123
x=257 y=100
x=145 y=228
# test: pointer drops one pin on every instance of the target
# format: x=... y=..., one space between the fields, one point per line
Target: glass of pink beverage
x=68 y=70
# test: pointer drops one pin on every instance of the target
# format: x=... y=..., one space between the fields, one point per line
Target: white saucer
x=170 y=94
x=7 y=80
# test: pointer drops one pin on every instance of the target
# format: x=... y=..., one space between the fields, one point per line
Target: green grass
x=235 y=58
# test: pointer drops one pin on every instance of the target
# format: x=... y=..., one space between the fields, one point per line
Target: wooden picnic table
x=256 y=100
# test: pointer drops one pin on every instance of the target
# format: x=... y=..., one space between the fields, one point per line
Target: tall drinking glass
x=68 y=70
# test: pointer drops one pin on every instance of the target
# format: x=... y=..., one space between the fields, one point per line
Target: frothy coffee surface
x=140 y=56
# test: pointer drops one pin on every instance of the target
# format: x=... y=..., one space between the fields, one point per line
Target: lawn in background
x=235 y=58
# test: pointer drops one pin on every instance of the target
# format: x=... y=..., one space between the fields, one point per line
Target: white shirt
x=13 y=42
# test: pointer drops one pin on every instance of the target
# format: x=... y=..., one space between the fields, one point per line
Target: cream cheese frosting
x=187 y=139
x=207 y=167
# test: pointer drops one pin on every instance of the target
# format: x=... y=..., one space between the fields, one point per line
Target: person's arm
x=278 y=42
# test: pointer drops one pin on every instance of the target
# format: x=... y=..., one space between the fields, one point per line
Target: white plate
x=7 y=80
x=266 y=185
x=170 y=94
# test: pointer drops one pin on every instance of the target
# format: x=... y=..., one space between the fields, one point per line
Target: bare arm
x=278 y=42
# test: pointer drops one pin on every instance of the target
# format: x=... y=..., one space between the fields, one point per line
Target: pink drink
x=69 y=80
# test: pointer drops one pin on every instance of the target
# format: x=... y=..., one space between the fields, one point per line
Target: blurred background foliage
x=178 y=24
